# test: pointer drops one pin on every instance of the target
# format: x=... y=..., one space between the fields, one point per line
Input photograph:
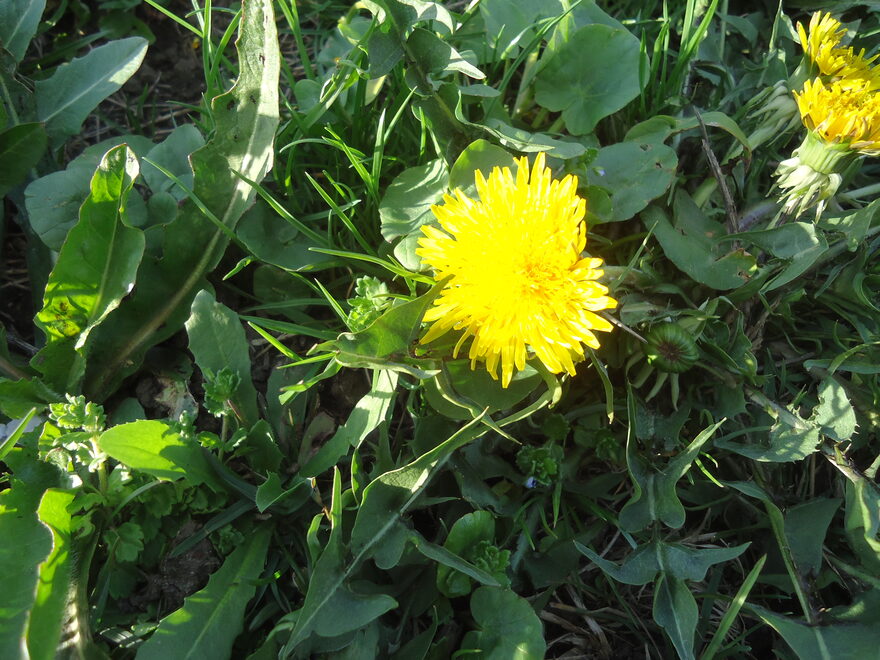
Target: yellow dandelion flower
x=843 y=124
x=843 y=114
x=821 y=45
x=519 y=284
x=825 y=32
x=846 y=65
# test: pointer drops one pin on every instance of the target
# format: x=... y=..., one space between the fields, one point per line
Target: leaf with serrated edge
x=53 y=588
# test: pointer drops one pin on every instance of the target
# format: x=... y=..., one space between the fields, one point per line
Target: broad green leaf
x=785 y=242
x=637 y=569
x=53 y=201
x=688 y=563
x=21 y=147
x=862 y=521
x=480 y=156
x=463 y=568
x=529 y=142
x=510 y=136
x=210 y=620
x=66 y=98
x=245 y=120
x=271 y=492
x=691 y=245
x=275 y=241
x=17 y=397
x=509 y=629
x=385 y=50
x=460 y=392
x=404 y=14
x=390 y=495
x=805 y=528
x=465 y=534
x=366 y=416
x=260 y=449
x=27 y=543
x=661 y=127
x=436 y=57
x=584 y=13
x=217 y=340
x=56 y=573
x=633 y=174
x=792 y=438
x=157 y=448
x=346 y=611
x=785 y=443
x=834 y=415
x=18 y=25
x=798 y=265
x=854 y=225
x=173 y=155
x=592 y=75
x=95 y=270
x=654 y=497
x=407 y=202
x=389 y=553
x=512 y=22
x=835 y=641
x=675 y=610
x=676 y=560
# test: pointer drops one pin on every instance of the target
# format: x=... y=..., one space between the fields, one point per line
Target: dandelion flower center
x=842 y=113
x=519 y=285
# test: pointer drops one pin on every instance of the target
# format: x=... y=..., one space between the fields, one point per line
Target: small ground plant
x=410 y=329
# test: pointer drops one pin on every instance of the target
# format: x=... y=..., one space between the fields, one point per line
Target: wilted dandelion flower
x=519 y=284
x=843 y=122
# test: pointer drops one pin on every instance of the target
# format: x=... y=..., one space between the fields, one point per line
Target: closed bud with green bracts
x=670 y=348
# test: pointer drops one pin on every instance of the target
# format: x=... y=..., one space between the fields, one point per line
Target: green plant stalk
x=174 y=17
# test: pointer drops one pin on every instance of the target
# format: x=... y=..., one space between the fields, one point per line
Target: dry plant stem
x=729 y=206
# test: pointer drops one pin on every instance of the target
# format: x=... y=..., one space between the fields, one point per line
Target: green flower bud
x=670 y=348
